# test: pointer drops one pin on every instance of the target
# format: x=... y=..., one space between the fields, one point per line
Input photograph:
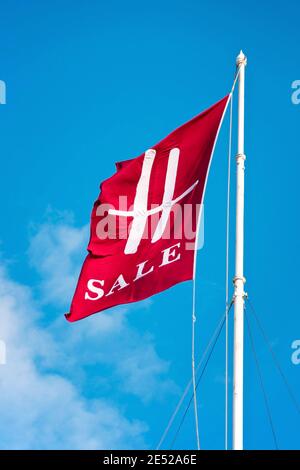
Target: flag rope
x=201 y=375
x=261 y=382
x=227 y=270
x=193 y=360
x=274 y=357
x=186 y=390
x=194 y=285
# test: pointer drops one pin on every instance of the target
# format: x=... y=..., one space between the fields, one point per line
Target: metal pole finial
x=241 y=59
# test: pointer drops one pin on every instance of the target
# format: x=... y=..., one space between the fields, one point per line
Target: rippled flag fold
x=144 y=222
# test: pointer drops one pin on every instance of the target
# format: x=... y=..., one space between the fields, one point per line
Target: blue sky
x=91 y=83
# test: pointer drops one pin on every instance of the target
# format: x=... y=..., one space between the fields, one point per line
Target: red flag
x=144 y=222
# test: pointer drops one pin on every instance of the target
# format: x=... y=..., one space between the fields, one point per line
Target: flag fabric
x=144 y=222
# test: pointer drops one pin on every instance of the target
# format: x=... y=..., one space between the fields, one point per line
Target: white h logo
x=140 y=212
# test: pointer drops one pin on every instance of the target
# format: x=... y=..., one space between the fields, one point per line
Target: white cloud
x=56 y=251
x=43 y=410
x=106 y=338
x=144 y=373
x=43 y=399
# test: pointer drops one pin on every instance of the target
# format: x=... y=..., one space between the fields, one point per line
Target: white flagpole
x=239 y=279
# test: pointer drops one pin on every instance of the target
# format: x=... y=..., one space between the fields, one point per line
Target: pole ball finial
x=241 y=59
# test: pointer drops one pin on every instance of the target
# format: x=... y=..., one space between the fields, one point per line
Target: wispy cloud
x=44 y=398
x=39 y=409
x=56 y=251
